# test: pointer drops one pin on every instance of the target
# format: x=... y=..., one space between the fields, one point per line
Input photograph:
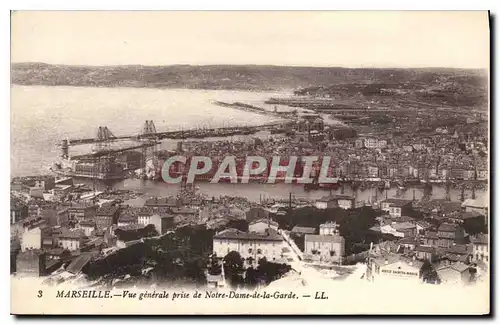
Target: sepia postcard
x=256 y=163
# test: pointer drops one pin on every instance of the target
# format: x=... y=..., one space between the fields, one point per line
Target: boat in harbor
x=328 y=186
x=311 y=187
x=412 y=181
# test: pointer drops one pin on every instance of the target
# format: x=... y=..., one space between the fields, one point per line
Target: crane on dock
x=100 y=162
x=102 y=157
x=149 y=131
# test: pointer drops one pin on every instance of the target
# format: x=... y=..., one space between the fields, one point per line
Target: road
x=310 y=274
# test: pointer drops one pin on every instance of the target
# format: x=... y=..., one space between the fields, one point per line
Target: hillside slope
x=248 y=77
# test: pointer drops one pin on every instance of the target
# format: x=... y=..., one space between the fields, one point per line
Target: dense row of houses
x=42 y=228
x=455 y=255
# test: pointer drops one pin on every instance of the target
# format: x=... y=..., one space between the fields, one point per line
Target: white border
x=189 y=5
x=253 y=5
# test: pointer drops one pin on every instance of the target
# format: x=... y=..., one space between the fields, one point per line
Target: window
x=259 y=251
x=249 y=251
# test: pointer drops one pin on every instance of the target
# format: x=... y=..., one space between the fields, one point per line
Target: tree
x=214 y=266
x=233 y=261
x=428 y=274
x=233 y=267
x=201 y=240
x=413 y=213
x=269 y=271
x=475 y=225
x=128 y=235
x=239 y=224
x=251 y=279
x=194 y=269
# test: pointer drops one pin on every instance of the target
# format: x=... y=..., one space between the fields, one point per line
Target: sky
x=321 y=38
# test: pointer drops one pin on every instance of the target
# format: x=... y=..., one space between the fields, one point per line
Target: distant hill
x=243 y=77
x=458 y=89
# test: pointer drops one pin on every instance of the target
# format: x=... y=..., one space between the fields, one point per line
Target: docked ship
x=105 y=169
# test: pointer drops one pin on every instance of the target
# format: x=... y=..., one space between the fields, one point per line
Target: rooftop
x=81 y=205
x=87 y=223
x=403 y=226
x=431 y=235
x=127 y=217
x=448 y=227
x=131 y=227
x=183 y=210
x=465 y=215
x=79 y=262
x=424 y=249
x=71 y=234
x=387 y=259
x=397 y=202
x=458 y=249
x=264 y=220
x=388 y=246
x=424 y=224
x=324 y=238
x=408 y=241
x=480 y=239
x=303 y=230
x=476 y=203
x=231 y=233
x=162 y=216
x=458 y=266
x=107 y=210
x=55 y=251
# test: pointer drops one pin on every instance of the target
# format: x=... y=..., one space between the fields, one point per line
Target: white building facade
x=31 y=239
x=328 y=249
x=250 y=246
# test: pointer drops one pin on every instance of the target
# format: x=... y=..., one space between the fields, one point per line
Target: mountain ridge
x=237 y=77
